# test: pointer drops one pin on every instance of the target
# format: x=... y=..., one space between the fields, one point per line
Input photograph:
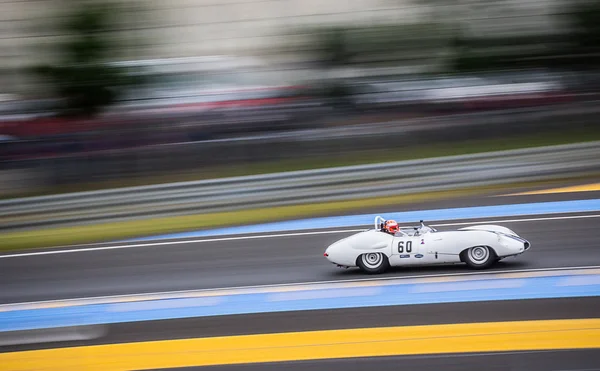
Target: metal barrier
x=333 y=184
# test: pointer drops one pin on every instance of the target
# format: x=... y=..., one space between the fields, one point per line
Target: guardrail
x=343 y=183
x=31 y=174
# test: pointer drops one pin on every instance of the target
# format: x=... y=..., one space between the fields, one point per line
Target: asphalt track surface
x=429 y=314
x=556 y=243
x=571 y=360
x=289 y=259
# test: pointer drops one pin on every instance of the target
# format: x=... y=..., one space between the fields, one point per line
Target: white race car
x=374 y=250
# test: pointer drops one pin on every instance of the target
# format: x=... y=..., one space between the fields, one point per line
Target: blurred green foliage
x=336 y=46
x=444 y=47
x=83 y=77
x=578 y=48
x=584 y=39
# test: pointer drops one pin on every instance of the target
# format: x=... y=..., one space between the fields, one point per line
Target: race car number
x=402 y=247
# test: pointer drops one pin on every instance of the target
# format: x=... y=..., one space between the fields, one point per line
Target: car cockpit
x=380 y=224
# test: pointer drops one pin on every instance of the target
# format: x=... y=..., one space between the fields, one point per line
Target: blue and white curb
x=369 y=293
x=478 y=212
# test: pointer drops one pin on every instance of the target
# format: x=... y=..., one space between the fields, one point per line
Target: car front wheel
x=373 y=262
x=479 y=257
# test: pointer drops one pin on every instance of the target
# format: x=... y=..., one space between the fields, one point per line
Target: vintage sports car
x=375 y=250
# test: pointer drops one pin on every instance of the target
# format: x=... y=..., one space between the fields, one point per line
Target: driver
x=391 y=227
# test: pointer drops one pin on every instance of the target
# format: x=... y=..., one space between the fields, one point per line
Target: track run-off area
x=263 y=297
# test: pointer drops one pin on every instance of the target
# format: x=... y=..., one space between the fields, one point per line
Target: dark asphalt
x=290 y=259
x=555 y=243
x=564 y=360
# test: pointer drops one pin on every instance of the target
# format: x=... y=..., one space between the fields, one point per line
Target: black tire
x=373 y=262
x=479 y=257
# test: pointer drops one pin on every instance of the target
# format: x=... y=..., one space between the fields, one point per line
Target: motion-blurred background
x=106 y=94
x=97 y=94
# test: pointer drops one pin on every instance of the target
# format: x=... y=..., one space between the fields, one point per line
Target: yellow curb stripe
x=368 y=342
x=580 y=188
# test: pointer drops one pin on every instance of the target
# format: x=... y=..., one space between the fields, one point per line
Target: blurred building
x=258 y=28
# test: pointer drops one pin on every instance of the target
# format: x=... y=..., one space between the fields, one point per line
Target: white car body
x=374 y=250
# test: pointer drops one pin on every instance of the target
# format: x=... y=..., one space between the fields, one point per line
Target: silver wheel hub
x=479 y=254
x=372 y=260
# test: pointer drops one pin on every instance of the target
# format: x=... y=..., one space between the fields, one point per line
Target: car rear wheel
x=373 y=262
x=479 y=257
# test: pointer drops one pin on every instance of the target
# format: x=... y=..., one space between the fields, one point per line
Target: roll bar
x=378 y=222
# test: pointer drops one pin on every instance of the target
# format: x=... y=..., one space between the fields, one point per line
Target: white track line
x=296 y=284
x=264 y=236
x=180 y=242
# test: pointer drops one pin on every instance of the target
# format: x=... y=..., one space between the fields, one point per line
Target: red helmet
x=391 y=226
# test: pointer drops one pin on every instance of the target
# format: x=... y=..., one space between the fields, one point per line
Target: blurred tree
x=331 y=53
x=412 y=44
x=583 y=18
x=341 y=52
x=333 y=50
x=83 y=77
x=575 y=47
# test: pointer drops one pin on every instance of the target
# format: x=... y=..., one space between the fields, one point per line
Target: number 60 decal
x=401 y=246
